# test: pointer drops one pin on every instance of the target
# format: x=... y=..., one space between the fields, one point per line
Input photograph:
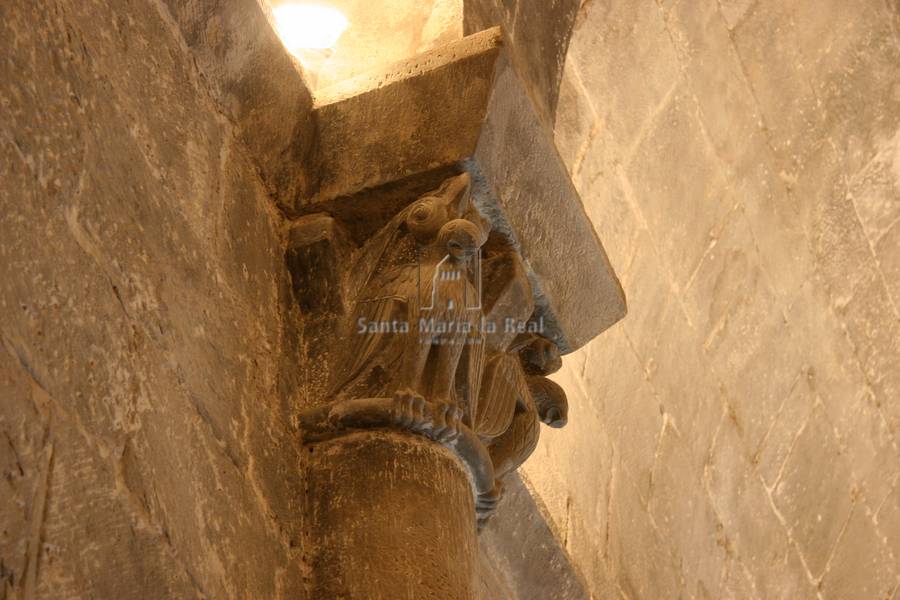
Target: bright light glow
x=308 y=26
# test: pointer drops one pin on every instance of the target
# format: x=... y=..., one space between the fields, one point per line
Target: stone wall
x=538 y=33
x=142 y=449
x=736 y=436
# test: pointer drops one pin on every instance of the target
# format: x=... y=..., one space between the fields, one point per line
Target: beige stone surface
x=141 y=264
x=538 y=33
x=383 y=126
x=736 y=436
x=521 y=559
x=380 y=33
x=256 y=84
x=389 y=516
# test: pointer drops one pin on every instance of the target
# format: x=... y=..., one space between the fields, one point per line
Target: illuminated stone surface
x=381 y=33
x=735 y=436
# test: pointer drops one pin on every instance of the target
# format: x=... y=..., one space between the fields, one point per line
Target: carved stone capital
x=431 y=329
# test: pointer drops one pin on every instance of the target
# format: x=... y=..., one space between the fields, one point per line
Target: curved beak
x=554 y=419
x=456 y=192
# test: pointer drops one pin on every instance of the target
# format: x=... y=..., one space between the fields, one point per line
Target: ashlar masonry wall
x=736 y=436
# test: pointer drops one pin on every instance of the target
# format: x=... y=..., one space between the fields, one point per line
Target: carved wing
x=373 y=255
x=468 y=377
x=503 y=387
x=518 y=442
x=366 y=349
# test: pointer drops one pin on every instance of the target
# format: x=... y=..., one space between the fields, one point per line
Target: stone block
x=541 y=472
x=869 y=441
x=576 y=120
x=777 y=72
x=487 y=126
x=786 y=423
x=752 y=531
x=258 y=85
x=778 y=217
x=736 y=583
x=60 y=492
x=733 y=307
x=359 y=489
x=862 y=565
x=627 y=62
x=815 y=503
x=318 y=252
x=685 y=202
x=694 y=414
x=715 y=75
x=889 y=260
x=682 y=512
x=786 y=107
x=385 y=125
x=522 y=185
x=875 y=190
x=623 y=405
x=523 y=548
x=853 y=74
x=653 y=299
x=827 y=353
x=610 y=205
x=142 y=263
x=539 y=34
x=878 y=351
x=888 y=516
x=734 y=11
x=645 y=563
x=492 y=583
x=589 y=560
x=760 y=388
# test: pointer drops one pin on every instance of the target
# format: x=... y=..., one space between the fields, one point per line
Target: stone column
x=392 y=517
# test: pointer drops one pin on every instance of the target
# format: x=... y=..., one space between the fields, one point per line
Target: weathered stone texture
x=381 y=33
x=737 y=435
x=257 y=84
x=390 y=516
x=142 y=266
x=382 y=126
x=539 y=34
x=519 y=547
